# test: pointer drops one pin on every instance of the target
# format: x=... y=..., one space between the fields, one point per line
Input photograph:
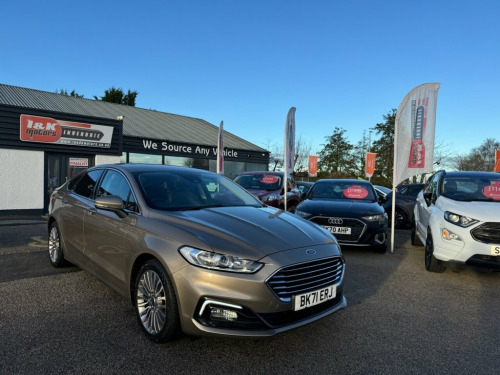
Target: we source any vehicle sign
x=302 y=301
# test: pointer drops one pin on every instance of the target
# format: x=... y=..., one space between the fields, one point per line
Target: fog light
x=218 y=313
x=449 y=235
x=380 y=238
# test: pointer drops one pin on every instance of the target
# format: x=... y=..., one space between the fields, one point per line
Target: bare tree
x=480 y=158
x=302 y=152
x=276 y=155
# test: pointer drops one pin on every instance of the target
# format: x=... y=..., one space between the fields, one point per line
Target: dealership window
x=231 y=168
x=179 y=161
x=144 y=158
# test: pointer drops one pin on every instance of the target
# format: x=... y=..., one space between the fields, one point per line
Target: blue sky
x=341 y=63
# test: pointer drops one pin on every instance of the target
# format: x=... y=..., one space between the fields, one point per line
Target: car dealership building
x=47 y=138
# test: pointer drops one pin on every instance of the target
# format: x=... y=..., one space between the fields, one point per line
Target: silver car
x=195 y=252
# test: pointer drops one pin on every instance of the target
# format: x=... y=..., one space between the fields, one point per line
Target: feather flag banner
x=414 y=133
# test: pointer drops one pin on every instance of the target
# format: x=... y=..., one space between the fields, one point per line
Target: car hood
x=343 y=208
x=260 y=193
x=250 y=232
x=483 y=211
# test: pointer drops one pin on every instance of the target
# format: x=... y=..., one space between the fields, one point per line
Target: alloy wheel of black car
x=399 y=219
x=55 y=247
x=431 y=263
x=155 y=303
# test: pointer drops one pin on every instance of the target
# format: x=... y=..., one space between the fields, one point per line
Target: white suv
x=457 y=216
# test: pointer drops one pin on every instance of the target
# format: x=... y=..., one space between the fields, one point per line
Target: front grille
x=305 y=277
x=357 y=228
x=487 y=233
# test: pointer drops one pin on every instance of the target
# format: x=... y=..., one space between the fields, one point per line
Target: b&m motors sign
x=49 y=130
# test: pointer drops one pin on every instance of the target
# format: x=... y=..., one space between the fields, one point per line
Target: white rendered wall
x=106 y=159
x=21 y=179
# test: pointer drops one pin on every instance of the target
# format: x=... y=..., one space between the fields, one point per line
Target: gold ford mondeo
x=195 y=252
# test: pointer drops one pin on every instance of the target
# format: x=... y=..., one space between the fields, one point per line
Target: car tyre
x=400 y=219
x=156 y=303
x=55 y=247
x=431 y=263
x=414 y=238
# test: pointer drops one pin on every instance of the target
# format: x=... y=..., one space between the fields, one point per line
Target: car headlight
x=380 y=218
x=271 y=198
x=461 y=221
x=216 y=261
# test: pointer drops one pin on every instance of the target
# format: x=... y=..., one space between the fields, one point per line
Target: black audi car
x=350 y=209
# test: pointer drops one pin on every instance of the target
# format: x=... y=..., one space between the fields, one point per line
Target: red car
x=269 y=188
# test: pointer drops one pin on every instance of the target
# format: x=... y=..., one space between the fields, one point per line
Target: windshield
x=262 y=181
x=342 y=191
x=188 y=190
x=472 y=188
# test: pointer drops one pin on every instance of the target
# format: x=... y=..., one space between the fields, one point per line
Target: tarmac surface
x=400 y=319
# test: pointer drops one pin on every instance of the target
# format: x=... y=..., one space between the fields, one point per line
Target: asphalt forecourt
x=399 y=319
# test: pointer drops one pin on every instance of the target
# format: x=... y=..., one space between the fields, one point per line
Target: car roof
x=261 y=172
x=345 y=180
x=472 y=174
x=403 y=185
x=147 y=167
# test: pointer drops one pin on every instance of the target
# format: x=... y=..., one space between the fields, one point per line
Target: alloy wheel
x=151 y=302
x=54 y=245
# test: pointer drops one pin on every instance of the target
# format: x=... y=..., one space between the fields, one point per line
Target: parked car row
x=197 y=253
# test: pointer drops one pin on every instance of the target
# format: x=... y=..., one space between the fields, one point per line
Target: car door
x=74 y=206
x=105 y=231
x=425 y=208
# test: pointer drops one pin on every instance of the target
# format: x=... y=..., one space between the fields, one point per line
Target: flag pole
x=289 y=152
x=220 y=149
x=393 y=205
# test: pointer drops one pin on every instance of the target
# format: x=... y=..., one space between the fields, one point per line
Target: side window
x=73 y=182
x=86 y=184
x=114 y=183
x=433 y=186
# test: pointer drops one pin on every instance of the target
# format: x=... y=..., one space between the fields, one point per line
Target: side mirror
x=111 y=203
x=381 y=199
x=428 y=197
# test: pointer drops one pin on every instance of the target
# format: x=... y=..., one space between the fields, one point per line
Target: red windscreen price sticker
x=355 y=192
x=269 y=179
x=492 y=191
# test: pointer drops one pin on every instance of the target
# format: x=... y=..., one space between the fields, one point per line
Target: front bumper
x=466 y=251
x=363 y=233
x=244 y=305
